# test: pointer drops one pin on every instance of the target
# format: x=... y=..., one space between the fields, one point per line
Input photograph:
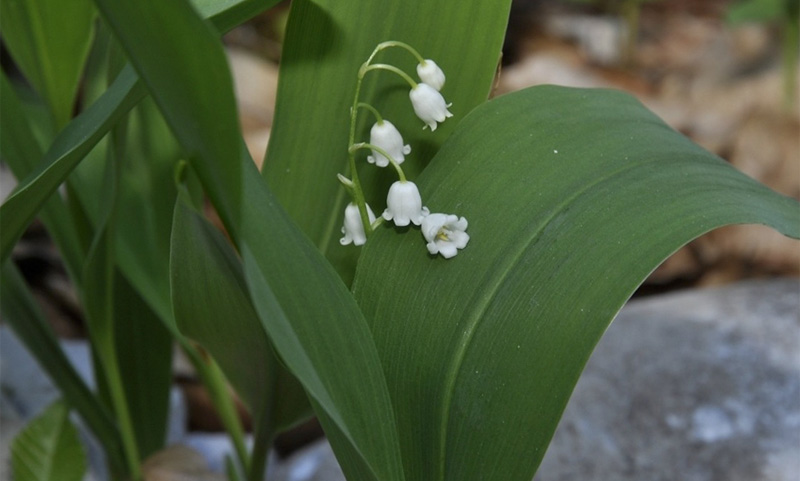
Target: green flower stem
x=373 y=110
x=357 y=192
x=391 y=68
x=364 y=145
x=214 y=381
x=395 y=43
x=116 y=390
x=380 y=220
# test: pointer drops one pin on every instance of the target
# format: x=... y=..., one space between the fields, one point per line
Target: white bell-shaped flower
x=431 y=74
x=353 y=228
x=404 y=204
x=445 y=234
x=429 y=105
x=386 y=136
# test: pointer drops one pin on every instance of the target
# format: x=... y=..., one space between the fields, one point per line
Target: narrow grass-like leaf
x=29 y=324
x=144 y=349
x=97 y=297
x=49 y=40
x=330 y=39
x=573 y=197
x=83 y=133
x=21 y=151
x=48 y=449
x=68 y=149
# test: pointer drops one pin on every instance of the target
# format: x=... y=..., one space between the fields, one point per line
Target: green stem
x=114 y=380
x=214 y=381
x=373 y=110
x=358 y=193
x=391 y=68
x=396 y=43
x=365 y=145
x=261 y=443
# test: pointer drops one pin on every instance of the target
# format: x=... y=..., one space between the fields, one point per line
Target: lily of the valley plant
x=419 y=365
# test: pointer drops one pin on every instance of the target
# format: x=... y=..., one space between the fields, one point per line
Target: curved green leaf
x=573 y=197
x=48 y=449
x=212 y=306
x=307 y=311
x=326 y=43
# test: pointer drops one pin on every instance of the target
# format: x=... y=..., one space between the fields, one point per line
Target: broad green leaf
x=48 y=449
x=326 y=43
x=49 y=40
x=22 y=313
x=307 y=311
x=573 y=197
x=212 y=306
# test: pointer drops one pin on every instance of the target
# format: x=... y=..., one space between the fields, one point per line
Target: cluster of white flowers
x=445 y=234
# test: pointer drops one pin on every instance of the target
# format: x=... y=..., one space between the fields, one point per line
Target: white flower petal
x=353 y=228
x=386 y=136
x=429 y=105
x=404 y=204
x=445 y=234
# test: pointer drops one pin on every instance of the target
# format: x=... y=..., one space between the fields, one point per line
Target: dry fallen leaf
x=178 y=463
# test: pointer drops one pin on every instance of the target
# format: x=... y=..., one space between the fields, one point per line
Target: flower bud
x=431 y=74
x=353 y=228
x=386 y=136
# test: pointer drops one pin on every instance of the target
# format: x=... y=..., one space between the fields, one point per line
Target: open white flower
x=429 y=105
x=353 y=228
x=404 y=204
x=445 y=234
x=386 y=136
x=431 y=74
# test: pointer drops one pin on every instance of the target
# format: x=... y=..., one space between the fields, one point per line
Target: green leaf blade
x=573 y=197
x=49 y=40
x=48 y=449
